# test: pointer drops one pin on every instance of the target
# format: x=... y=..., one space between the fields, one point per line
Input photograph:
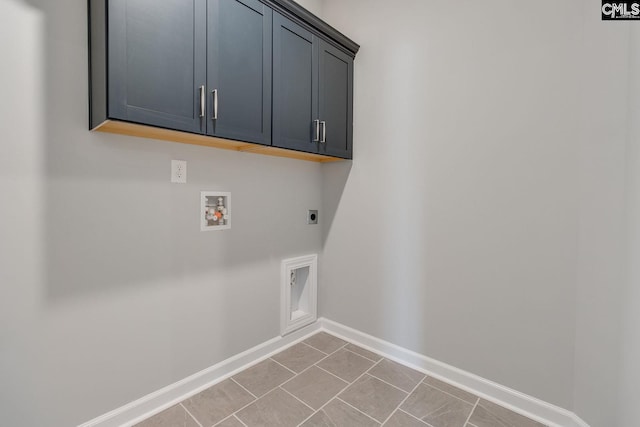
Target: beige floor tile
x=373 y=397
x=397 y=374
x=230 y=422
x=346 y=365
x=437 y=408
x=375 y=388
x=460 y=394
x=339 y=414
x=277 y=408
x=362 y=352
x=175 y=416
x=325 y=342
x=263 y=377
x=489 y=414
x=218 y=402
x=314 y=387
x=299 y=357
x=401 y=419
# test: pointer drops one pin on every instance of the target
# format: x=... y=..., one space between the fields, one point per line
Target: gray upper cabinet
x=312 y=92
x=157 y=62
x=295 y=86
x=336 y=102
x=239 y=70
x=259 y=75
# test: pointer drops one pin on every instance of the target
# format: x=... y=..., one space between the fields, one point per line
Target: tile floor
x=325 y=381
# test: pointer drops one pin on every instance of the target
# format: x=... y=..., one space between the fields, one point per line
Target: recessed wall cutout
x=215 y=210
x=298 y=293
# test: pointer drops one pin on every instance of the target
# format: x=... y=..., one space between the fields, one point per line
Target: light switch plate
x=179 y=171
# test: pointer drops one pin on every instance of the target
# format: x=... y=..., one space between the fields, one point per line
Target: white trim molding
x=536 y=409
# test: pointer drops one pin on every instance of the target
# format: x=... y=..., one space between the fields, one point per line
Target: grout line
x=316 y=349
x=326 y=357
x=243 y=387
x=309 y=367
x=342 y=346
x=472 y=411
x=368 y=358
x=248 y=404
x=293 y=372
x=413 y=416
x=364 y=357
x=375 y=364
x=388 y=383
x=190 y=414
x=341 y=379
x=329 y=354
x=446 y=392
x=336 y=395
x=403 y=400
x=296 y=397
x=363 y=413
x=223 y=420
x=239 y=420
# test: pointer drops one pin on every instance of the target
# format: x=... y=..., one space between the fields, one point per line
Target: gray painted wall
x=109 y=291
x=629 y=373
x=487 y=198
x=462 y=201
x=601 y=239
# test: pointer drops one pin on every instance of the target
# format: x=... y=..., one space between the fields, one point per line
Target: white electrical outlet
x=179 y=171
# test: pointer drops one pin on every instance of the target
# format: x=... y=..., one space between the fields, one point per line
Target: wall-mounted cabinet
x=313 y=92
x=295 y=86
x=156 y=63
x=335 y=101
x=239 y=70
x=248 y=75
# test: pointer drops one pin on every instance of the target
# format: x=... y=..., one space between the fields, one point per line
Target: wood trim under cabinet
x=142 y=131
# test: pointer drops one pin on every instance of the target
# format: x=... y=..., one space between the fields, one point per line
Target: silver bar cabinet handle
x=317 y=138
x=202 y=101
x=324 y=132
x=215 y=104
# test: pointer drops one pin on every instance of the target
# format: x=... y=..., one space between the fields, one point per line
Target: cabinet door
x=295 y=86
x=239 y=70
x=336 y=101
x=157 y=62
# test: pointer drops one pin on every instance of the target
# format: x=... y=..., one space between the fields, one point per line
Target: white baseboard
x=170 y=395
x=534 y=408
x=166 y=397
